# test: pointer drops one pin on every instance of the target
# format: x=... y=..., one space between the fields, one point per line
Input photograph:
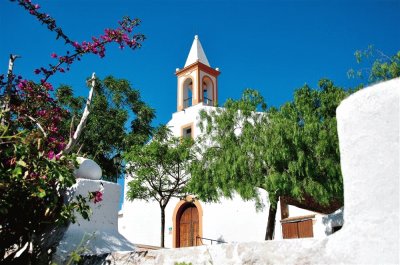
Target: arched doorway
x=187 y=223
x=188 y=226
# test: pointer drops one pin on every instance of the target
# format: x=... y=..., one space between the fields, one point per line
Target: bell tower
x=197 y=81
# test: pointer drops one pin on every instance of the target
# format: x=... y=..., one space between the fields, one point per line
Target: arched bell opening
x=208 y=91
x=187 y=93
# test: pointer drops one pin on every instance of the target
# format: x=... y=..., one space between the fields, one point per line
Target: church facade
x=190 y=222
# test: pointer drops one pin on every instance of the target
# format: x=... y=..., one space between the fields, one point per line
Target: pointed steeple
x=197 y=81
x=196 y=53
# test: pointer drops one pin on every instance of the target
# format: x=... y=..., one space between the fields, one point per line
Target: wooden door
x=189 y=227
x=290 y=230
x=305 y=228
x=299 y=229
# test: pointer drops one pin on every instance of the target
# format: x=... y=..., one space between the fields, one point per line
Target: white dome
x=88 y=169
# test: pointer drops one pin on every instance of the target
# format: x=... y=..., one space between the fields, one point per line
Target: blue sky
x=272 y=46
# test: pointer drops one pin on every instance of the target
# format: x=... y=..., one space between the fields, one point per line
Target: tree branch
x=38 y=125
x=10 y=77
x=74 y=139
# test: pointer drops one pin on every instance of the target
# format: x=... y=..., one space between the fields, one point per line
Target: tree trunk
x=162 y=226
x=269 y=235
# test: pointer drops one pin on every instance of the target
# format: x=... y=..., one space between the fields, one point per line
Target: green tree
x=159 y=170
x=289 y=152
x=36 y=164
x=108 y=132
x=384 y=67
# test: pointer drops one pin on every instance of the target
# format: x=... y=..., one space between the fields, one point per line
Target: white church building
x=191 y=222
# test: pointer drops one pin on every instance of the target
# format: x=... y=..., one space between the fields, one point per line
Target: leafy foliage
x=303 y=150
x=107 y=133
x=291 y=151
x=34 y=173
x=159 y=170
x=383 y=67
x=231 y=163
x=32 y=185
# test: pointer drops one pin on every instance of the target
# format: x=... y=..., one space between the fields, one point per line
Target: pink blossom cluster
x=96 y=196
x=34 y=100
x=96 y=46
x=32 y=106
x=121 y=35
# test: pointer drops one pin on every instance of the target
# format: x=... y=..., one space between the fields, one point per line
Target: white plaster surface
x=368 y=127
x=196 y=53
x=184 y=117
x=88 y=169
x=101 y=232
x=229 y=220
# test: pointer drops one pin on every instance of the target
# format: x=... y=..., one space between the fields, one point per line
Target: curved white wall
x=101 y=231
x=368 y=127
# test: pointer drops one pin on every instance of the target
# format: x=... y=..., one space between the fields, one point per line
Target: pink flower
x=41 y=112
x=97 y=196
x=51 y=155
x=22 y=84
x=37 y=71
x=53 y=55
x=37 y=6
x=61 y=146
x=76 y=45
x=48 y=86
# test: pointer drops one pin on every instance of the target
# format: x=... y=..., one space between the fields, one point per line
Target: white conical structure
x=196 y=53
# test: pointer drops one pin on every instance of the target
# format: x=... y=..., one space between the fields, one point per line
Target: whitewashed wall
x=184 y=117
x=100 y=233
x=368 y=127
x=230 y=220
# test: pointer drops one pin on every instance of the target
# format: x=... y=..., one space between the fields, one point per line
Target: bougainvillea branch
x=122 y=35
x=33 y=9
x=33 y=174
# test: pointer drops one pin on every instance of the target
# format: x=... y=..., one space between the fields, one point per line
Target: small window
x=336 y=228
x=187 y=132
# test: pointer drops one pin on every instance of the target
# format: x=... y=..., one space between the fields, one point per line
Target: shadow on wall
x=333 y=222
